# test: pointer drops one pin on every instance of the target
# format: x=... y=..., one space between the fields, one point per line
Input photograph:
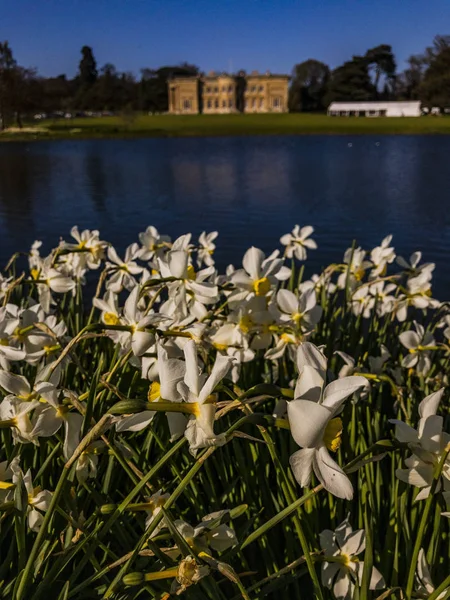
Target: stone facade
x=266 y=93
x=263 y=94
x=219 y=94
x=183 y=96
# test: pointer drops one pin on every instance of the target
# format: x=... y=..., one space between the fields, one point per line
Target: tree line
x=372 y=76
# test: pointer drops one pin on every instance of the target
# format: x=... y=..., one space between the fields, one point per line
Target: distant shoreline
x=169 y=126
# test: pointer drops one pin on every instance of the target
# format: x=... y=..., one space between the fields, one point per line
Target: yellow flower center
x=219 y=347
x=4 y=342
x=110 y=319
x=261 y=286
x=297 y=317
x=359 y=274
x=332 y=435
x=286 y=337
x=191 y=273
x=154 y=392
x=245 y=323
x=34 y=273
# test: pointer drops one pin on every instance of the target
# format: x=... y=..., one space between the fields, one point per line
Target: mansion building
x=218 y=94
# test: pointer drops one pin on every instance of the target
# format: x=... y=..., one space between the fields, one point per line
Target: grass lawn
x=221 y=125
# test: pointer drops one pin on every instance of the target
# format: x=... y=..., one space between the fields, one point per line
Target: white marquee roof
x=374 y=105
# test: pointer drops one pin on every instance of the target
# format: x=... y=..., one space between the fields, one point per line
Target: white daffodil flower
x=342 y=568
x=362 y=302
x=192 y=290
x=381 y=256
x=153 y=243
x=91 y=250
x=298 y=241
x=420 y=344
x=356 y=268
x=171 y=372
x=123 y=271
x=206 y=248
x=37 y=500
x=418 y=294
x=10 y=349
x=198 y=388
x=259 y=274
x=86 y=465
x=314 y=423
x=384 y=298
x=140 y=339
x=427 y=444
x=50 y=279
x=302 y=312
x=153 y=507
x=209 y=534
x=424 y=584
x=16 y=414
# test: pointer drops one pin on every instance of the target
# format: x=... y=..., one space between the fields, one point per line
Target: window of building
x=230 y=89
x=224 y=103
x=276 y=102
x=261 y=88
x=253 y=88
x=216 y=89
x=208 y=90
x=230 y=103
x=253 y=103
x=261 y=103
x=246 y=104
x=216 y=104
x=208 y=104
x=186 y=104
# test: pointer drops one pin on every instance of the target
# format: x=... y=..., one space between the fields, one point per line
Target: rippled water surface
x=251 y=189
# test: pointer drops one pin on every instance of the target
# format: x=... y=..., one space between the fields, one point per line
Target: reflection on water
x=252 y=189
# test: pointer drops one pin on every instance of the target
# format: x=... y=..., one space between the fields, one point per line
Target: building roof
x=373 y=105
x=267 y=76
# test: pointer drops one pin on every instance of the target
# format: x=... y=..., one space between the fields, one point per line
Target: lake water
x=251 y=189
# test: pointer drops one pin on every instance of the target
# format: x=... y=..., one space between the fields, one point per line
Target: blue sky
x=249 y=34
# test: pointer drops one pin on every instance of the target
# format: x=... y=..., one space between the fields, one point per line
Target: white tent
x=374 y=109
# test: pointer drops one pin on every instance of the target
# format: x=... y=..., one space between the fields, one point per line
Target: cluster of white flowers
x=188 y=332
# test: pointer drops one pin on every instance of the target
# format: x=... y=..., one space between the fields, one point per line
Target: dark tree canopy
x=87 y=73
x=435 y=87
x=309 y=86
x=351 y=81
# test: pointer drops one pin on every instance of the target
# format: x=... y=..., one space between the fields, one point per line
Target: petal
x=301 y=465
x=309 y=384
x=376 y=580
x=191 y=377
x=135 y=422
x=328 y=573
x=430 y=433
x=430 y=404
x=14 y=384
x=287 y=301
x=409 y=339
x=252 y=262
x=307 y=421
x=404 y=433
x=178 y=262
x=141 y=342
x=331 y=475
x=220 y=369
x=355 y=543
x=328 y=542
x=420 y=476
x=72 y=424
x=343 y=588
x=337 y=391
x=309 y=354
